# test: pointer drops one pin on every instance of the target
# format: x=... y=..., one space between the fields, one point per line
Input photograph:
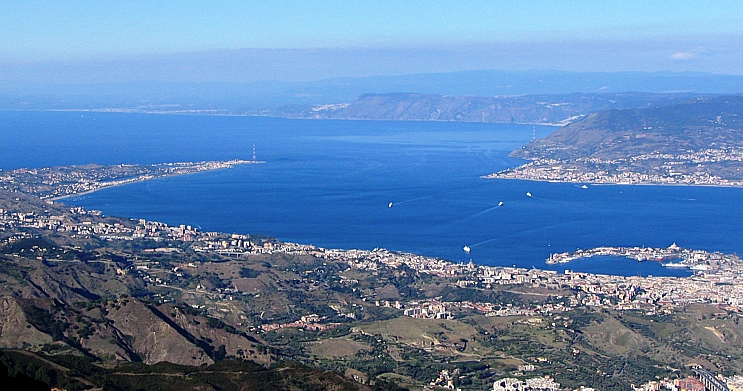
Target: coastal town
x=67 y=181
x=718 y=283
x=687 y=258
x=716 y=280
x=715 y=277
x=690 y=168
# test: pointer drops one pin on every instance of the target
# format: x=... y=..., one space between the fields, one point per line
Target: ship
x=466 y=249
x=389 y=205
x=674 y=264
x=699 y=267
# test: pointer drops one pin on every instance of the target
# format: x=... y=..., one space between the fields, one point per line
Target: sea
x=330 y=183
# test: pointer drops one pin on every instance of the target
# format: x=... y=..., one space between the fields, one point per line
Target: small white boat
x=584 y=187
x=500 y=203
x=528 y=194
x=389 y=205
x=466 y=249
x=674 y=264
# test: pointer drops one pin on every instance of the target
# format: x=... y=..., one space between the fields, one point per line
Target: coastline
x=106 y=185
x=228 y=114
x=722 y=186
x=73 y=181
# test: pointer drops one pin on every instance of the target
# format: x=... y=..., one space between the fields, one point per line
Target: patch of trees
x=249 y=273
x=486 y=296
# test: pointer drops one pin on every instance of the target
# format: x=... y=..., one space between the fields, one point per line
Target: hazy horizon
x=241 y=42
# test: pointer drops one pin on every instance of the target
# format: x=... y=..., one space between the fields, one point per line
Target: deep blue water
x=329 y=183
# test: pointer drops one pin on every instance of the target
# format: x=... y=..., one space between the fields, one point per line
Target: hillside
x=691 y=125
x=96 y=300
x=695 y=142
x=538 y=109
x=30 y=371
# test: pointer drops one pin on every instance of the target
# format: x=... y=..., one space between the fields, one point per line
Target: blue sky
x=576 y=35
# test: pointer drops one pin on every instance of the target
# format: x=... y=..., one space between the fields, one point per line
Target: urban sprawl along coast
x=67 y=181
x=691 y=168
x=716 y=280
x=718 y=283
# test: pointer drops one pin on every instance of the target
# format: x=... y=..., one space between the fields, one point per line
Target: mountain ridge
x=695 y=142
x=254 y=97
x=692 y=124
x=536 y=109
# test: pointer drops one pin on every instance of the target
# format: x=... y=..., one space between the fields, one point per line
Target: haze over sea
x=329 y=183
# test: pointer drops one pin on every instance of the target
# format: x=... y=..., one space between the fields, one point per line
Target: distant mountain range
x=538 y=109
x=255 y=97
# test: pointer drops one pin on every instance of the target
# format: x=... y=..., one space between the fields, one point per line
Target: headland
x=698 y=143
x=67 y=181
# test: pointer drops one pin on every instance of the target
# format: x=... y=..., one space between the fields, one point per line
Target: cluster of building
x=544 y=383
x=687 y=257
x=446 y=379
x=60 y=182
x=429 y=309
x=710 y=155
x=706 y=381
x=307 y=322
x=653 y=168
x=718 y=282
x=59 y=222
x=436 y=309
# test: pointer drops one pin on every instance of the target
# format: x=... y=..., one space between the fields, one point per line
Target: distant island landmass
x=552 y=109
x=696 y=142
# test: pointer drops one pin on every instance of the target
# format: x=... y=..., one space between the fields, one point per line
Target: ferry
x=466 y=249
x=674 y=264
x=699 y=267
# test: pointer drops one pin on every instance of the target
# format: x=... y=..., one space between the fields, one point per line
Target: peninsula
x=67 y=181
x=694 y=259
x=697 y=142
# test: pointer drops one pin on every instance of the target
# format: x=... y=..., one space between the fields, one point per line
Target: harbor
x=671 y=256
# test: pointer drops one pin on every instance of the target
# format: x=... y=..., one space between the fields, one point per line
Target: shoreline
x=136 y=180
x=150 y=177
x=721 y=186
x=71 y=188
x=196 y=167
x=204 y=113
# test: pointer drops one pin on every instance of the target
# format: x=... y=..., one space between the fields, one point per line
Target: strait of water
x=329 y=183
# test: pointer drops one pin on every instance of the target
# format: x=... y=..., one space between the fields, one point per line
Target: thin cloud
x=687 y=55
x=680 y=56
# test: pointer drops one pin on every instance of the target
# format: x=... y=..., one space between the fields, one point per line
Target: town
x=644 y=169
x=715 y=280
x=61 y=182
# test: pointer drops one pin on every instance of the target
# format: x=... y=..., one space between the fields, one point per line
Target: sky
x=241 y=41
